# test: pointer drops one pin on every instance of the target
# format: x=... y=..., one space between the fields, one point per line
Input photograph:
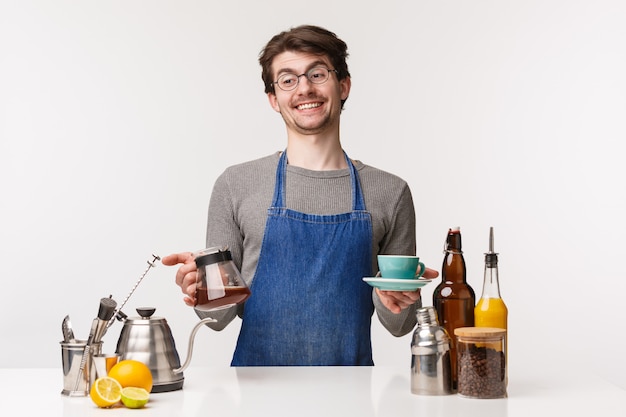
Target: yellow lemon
x=134 y=397
x=132 y=373
x=105 y=392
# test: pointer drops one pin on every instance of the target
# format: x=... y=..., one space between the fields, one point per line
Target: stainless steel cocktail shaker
x=431 y=372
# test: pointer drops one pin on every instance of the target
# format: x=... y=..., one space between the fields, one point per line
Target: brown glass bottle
x=453 y=298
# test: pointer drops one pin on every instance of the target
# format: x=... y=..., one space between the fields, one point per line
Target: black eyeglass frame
x=307 y=75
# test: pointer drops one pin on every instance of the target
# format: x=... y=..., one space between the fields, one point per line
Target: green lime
x=134 y=397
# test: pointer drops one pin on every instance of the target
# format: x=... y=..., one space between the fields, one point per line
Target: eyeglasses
x=316 y=75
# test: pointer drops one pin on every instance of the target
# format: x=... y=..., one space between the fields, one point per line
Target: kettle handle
x=190 y=346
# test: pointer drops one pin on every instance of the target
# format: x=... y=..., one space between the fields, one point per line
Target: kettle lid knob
x=146 y=312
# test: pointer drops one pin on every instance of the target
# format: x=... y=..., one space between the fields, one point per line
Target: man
x=305 y=225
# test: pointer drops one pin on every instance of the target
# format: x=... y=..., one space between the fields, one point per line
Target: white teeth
x=308 y=106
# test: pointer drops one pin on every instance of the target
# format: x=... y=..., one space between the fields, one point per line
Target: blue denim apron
x=309 y=305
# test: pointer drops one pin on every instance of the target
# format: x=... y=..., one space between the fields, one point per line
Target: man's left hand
x=396 y=301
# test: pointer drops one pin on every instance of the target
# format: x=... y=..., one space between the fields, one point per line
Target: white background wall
x=116 y=117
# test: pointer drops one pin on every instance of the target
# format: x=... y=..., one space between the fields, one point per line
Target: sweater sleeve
x=399 y=240
x=236 y=218
x=222 y=230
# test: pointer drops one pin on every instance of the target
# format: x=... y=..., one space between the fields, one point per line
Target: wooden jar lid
x=479 y=332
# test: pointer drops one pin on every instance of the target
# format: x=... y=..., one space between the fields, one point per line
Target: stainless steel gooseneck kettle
x=149 y=340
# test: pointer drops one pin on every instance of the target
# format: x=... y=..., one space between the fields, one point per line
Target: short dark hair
x=305 y=38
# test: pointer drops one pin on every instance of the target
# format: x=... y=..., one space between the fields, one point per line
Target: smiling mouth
x=307 y=106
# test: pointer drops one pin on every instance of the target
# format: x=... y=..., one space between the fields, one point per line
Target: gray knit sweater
x=243 y=193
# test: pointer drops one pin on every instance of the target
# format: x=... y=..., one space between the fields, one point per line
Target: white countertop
x=319 y=392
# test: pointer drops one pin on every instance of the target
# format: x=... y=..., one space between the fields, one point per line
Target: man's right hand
x=186 y=275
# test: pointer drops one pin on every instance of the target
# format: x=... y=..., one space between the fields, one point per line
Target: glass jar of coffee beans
x=481 y=362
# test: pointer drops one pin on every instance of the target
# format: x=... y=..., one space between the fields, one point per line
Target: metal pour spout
x=491 y=257
x=190 y=345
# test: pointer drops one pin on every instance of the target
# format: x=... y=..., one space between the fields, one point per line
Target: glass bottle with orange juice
x=490 y=311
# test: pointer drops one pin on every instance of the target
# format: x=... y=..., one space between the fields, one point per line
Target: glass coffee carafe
x=219 y=284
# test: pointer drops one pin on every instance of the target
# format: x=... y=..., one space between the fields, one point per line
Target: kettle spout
x=190 y=346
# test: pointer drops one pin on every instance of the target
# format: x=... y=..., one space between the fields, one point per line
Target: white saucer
x=396 y=284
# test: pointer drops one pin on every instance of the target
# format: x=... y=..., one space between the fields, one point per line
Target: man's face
x=308 y=109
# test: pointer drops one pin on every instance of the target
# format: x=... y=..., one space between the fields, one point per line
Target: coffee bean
x=481 y=372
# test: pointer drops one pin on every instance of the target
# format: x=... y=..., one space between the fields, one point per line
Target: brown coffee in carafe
x=219 y=284
x=232 y=295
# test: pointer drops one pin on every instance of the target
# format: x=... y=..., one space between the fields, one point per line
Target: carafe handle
x=190 y=346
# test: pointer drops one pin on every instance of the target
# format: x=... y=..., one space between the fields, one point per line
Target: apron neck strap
x=358 y=202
